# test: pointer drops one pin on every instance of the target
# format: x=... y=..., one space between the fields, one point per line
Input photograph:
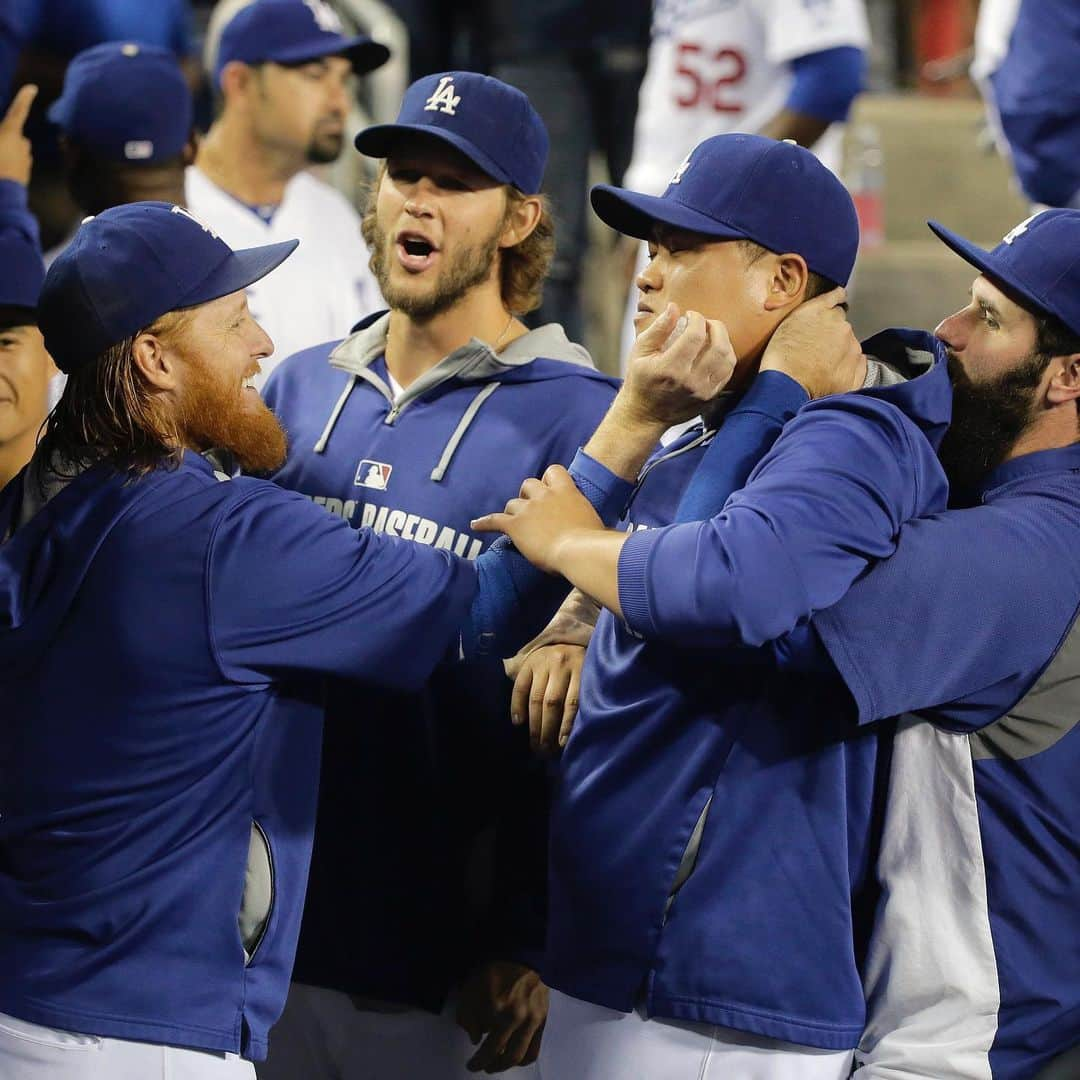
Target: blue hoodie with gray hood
x=397 y=912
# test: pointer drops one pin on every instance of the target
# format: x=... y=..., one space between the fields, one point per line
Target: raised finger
x=19 y=109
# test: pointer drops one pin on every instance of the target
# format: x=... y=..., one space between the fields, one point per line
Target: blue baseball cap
x=492 y=123
x=1039 y=260
x=129 y=266
x=293 y=32
x=748 y=187
x=126 y=101
x=21 y=268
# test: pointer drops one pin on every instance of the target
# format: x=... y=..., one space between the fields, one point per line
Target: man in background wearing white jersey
x=283 y=70
x=788 y=69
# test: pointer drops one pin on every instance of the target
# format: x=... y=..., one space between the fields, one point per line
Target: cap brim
x=634 y=214
x=378 y=142
x=241 y=269
x=984 y=262
x=364 y=54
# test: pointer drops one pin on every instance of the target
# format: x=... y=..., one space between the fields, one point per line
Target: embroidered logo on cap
x=677 y=178
x=373 y=474
x=325 y=16
x=138 y=150
x=1020 y=229
x=444 y=99
x=191 y=217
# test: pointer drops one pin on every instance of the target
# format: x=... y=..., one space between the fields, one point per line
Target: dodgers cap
x=1039 y=260
x=293 y=32
x=126 y=101
x=129 y=266
x=748 y=187
x=492 y=123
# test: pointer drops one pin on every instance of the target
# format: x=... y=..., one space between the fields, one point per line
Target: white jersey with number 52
x=725 y=65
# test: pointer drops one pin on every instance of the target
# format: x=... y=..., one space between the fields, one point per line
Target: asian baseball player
x=422 y=419
x=670 y=921
x=787 y=69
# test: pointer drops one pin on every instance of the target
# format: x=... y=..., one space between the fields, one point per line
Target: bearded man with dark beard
x=427 y=416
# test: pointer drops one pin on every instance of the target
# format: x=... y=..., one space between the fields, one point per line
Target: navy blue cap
x=292 y=32
x=129 y=266
x=1039 y=260
x=493 y=124
x=126 y=101
x=747 y=187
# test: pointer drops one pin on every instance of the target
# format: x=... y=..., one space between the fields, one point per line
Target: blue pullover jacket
x=712 y=843
x=401 y=912
x=161 y=645
x=968 y=628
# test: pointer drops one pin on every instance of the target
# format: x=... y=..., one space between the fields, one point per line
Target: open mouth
x=415 y=252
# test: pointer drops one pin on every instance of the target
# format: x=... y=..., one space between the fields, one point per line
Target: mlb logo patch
x=373 y=474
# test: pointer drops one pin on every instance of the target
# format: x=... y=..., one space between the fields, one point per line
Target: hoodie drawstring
x=459 y=432
x=324 y=438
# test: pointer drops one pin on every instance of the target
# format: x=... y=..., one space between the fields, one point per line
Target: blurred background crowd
x=919 y=141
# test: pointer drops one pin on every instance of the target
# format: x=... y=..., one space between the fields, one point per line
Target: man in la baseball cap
x=293 y=32
x=284 y=70
x=126 y=126
x=492 y=123
x=457 y=399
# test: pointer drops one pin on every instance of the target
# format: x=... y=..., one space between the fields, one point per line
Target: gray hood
x=475 y=362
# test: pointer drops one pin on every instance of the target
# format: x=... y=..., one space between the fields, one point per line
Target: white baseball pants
x=587 y=1042
x=322 y=1035
x=32 y=1052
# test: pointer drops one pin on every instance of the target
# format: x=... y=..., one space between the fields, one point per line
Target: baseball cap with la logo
x=131 y=264
x=492 y=123
x=1038 y=261
x=748 y=187
x=293 y=32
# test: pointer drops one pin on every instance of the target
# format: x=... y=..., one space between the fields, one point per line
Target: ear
x=787 y=284
x=522 y=220
x=1065 y=381
x=156 y=363
x=236 y=80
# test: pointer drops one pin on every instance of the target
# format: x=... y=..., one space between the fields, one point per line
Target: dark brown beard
x=987 y=419
x=212 y=416
x=469 y=267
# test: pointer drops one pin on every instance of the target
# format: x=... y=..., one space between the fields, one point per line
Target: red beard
x=216 y=414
